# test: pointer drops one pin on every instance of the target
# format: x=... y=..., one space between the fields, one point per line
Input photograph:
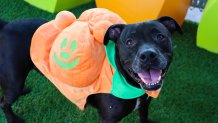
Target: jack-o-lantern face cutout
x=66 y=55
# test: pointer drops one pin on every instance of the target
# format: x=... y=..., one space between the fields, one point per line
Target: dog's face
x=144 y=50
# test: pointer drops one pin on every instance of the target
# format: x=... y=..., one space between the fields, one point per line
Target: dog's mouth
x=150 y=79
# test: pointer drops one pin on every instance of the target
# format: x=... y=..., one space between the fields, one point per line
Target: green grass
x=189 y=94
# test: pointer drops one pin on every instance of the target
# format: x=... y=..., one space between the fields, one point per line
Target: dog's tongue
x=150 y=76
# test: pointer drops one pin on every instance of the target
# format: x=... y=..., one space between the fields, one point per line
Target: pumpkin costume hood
x=71 y=54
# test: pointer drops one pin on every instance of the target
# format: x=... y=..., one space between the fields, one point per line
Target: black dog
x=15 y=62
x=143 y=55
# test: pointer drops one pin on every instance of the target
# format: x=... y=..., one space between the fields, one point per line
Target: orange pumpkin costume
x=71 y=54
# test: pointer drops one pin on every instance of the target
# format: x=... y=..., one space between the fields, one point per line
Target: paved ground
x=194 y=14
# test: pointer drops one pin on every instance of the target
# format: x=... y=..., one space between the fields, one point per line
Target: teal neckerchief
x=120 y=87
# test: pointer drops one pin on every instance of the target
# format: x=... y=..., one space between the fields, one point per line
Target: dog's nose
x=147 y=55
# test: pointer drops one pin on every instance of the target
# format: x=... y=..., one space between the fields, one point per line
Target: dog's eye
x=160 y=37
x=130 y=43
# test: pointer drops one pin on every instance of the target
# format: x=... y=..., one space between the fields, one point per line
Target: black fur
x=15 y=62
x=2 y=24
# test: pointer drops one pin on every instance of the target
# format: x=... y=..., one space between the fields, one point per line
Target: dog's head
x=143 y=50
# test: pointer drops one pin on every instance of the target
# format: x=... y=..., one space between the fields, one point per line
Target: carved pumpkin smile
x=66 y=55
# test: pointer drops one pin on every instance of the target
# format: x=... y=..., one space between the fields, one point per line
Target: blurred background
x=189 y=94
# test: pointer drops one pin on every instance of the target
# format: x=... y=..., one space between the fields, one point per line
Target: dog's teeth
x=159 y=78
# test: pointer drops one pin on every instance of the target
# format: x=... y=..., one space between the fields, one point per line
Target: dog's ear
x=113 y=33
x=170 y=24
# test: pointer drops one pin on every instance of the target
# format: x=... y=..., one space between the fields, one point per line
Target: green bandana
x=120 y=87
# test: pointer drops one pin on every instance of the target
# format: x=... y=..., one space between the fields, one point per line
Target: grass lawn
x=189 y=94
